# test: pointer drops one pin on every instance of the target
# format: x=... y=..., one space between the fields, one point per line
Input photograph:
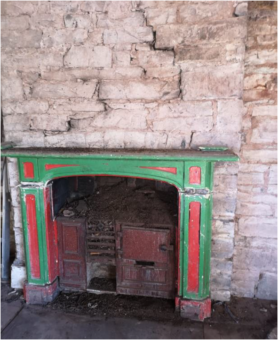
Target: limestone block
x=225 y=183
x=254 y=209
x=17 y=217
x=77 y=21
x=273 y=174
x=25 y=138
x=214 y=82
x=250 y=178
x=220 y=295
x=229 y=115
x=245 y=167
x=11 y=88
x=177 y=140
x=259 y=57
x=135 y=19
x=260 y=155
x=16 y=123
x=18 y=276
x=272 y=189
x=122 y=119
x=16 y=8
x=168 y=36
x=259 y=81
x=223 y=228
x=222 y=248
x=223 y=205
x=184 y=124
x=45 y=89
x=148 y=90
x=232 y=140
x=261 y=26
x=81 y=56
x=128 y=35
x=75 y=105
x=255 y=259
x=156 y=16
x=191 y=12
x=267 y=286
x=155 y=140
x=162 y=72
x=247 y=195
x=20 y=23
x=257 y=227
x=65 y=139
x=114 y=138
x=62 y=7
x=264 y=130
x=93 y=6
x=226 y=168
x=241 y=9
x=32 y=60
x=47 y=20
x=25 y=107
x=94 y=139
x=219 y=265
x=244 y=282
x=13 y=174
x=222 y=280
x=21 y=39
x=262 y=243
x=121 y=58
x=48 y=122
x=265 y=110
x=62 y=37
x=95 y=37
x=153 y=58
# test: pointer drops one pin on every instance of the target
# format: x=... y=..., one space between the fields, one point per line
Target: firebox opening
x=116 y=234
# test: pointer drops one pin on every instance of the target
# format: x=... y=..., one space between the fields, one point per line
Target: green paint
x=127 y=163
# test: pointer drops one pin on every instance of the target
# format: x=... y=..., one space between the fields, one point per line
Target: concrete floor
x=20 y=321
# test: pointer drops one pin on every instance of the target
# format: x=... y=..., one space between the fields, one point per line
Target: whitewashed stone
x=156 y=16
x=215 y=82
x=77 y=21
x=47 y=122
x=80 y=56
x=13 y=174
x=25 y=138
x=223 y=206
x=254 y=209
x=163 y=72
x=264 y=131
x=260 y=155
x=267 y=286
x=268 y=110
x=95 y=37
x=11 y=88
x=20 y=23
x=24 y=107
x=16 y=123
x=220 y=295
x=225 y=183
x=259 y=57
x=93 y=6
x=273 y=174
x=148 y=90
x=250 y=178
x=152 y=58
x=21 y=39
x=121 y=119
x=16 y=8
x=168 y=36
x=223 y=229
x=75 y=105
x=258 y=227
x=232 y=140
x=241 y=9
x=229 y=115
x=128 y=35
x=58 y=38
x=18 y=276
x=47 y=20
x=255 y=259
x=182 y=124
x=135 y=19
x=64 y=90
x=222 y=248
x=121 y=58
x=244 y=282
x=65 y=139
x=94 y=139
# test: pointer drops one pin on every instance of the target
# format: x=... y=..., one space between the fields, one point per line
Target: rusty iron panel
x=72 y=246
x=146 y=244
x=145 y=261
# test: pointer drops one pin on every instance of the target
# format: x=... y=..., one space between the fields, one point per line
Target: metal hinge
x=193 y=191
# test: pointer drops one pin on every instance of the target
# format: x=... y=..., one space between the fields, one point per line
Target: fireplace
x=170 y=260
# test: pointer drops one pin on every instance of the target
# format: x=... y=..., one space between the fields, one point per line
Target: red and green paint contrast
x=190 y=172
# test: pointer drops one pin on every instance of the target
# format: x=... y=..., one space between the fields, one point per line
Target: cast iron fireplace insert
x=190 y=171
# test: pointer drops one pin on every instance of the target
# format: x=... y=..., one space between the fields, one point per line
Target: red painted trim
x=33 y=236
x=28 y=170
x=171 y=170
x=193 y=247
x=54 y=166
x=51 y=237
x=194 y=175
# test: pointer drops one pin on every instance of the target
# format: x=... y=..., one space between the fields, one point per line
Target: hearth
x=165 y=258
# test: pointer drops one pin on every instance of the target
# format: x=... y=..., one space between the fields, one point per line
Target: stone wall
x=255 y=255
x=156 y=75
